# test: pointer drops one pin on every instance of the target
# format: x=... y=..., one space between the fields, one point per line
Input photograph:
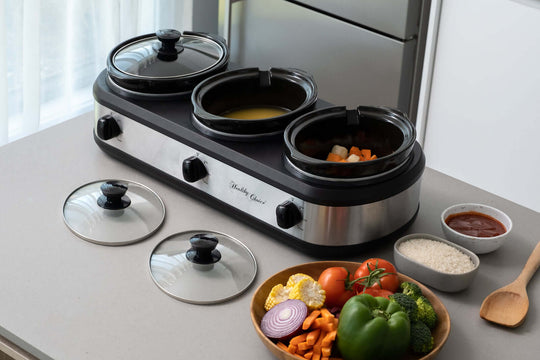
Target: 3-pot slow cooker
x=273 y=181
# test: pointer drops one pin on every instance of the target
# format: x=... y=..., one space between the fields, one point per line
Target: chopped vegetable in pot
x=354 y=154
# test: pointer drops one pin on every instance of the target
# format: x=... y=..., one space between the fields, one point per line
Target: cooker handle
x=113 y=196
x=203 y=249
x=169 y=50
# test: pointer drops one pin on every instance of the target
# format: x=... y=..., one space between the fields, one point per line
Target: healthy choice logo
x=246 y=193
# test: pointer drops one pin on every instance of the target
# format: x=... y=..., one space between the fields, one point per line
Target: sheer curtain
x=53 y=50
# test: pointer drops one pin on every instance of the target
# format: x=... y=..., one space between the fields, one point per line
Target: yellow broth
x=255 y=113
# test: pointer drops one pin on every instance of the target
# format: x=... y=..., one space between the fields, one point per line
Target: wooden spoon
x=508 y=305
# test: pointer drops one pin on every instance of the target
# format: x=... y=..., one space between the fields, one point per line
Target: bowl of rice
x=436 y=262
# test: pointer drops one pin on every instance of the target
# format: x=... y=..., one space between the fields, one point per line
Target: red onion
x=284 y=320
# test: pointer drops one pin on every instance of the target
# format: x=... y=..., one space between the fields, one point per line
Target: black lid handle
x=168 y=50
x=113 y=196
x=203 y=249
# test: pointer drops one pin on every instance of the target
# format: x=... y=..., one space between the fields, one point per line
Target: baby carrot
x=282 y=346
x=298 y=339
x=326 y=314
x=329 y=338
x=324 y=324
x=310 y=318
x=313 y=336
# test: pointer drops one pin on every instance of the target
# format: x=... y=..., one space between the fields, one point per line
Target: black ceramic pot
x=386 y=132
x=167 y=64
x=292 y=90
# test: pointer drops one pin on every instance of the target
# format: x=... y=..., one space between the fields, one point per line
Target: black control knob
x=288 y=215
x=193 y=169
x=107 y=127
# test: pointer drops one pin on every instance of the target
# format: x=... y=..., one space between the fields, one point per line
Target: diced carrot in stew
x=354 y=150
x=354 y=154
x=366 y=153
x=334 y=157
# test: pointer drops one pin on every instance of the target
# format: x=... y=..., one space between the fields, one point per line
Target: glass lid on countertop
x=113 y=212
x=202 y=267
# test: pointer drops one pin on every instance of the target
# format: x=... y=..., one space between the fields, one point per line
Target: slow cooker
x=262 y=173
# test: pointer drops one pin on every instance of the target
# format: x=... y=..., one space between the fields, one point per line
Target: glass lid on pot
x=113 y=212
x=168 y=54
x=202 y=267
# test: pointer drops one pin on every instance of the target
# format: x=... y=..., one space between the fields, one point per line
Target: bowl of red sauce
x=479 y=228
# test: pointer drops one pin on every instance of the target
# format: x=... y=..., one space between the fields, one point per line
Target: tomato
x=377 y=292
x=377 y=274
x=336 y=282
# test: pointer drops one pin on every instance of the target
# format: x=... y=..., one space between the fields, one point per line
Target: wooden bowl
x=314 y=269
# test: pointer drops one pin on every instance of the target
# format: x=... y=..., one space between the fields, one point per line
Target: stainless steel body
x=319 y=224
x=359 y=51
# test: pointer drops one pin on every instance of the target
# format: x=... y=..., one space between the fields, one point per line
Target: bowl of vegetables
x=313 y=311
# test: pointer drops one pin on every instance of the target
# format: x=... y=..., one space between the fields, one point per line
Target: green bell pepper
x=372 y=328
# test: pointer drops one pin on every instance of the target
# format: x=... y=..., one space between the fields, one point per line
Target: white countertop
x=65 y=298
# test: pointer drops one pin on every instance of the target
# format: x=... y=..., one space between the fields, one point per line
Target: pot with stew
x=335 y=144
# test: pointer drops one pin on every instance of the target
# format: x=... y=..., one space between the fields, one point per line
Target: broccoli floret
x=411 y=289
x=407 y=303
x=421 y=339
x=426 y=313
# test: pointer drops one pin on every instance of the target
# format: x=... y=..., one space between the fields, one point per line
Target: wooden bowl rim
x=442 y=329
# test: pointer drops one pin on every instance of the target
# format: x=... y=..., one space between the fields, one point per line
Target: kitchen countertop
x=65 y=298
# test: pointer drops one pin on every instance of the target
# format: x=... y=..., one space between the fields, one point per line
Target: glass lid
x=202 y=267
x=168 y=54
x=113 y=212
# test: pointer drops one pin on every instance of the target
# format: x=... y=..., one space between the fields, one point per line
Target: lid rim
x=144 y=84
x=186 y=236
x=115 y=243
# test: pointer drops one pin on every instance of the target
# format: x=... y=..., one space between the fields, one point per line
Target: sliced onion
x=284 y=320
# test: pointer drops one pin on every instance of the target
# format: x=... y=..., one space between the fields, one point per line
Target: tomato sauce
x=473 y=223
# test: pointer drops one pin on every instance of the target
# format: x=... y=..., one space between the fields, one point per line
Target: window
x=53 y=50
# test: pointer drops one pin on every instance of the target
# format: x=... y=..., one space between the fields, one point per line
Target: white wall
x=483 y=108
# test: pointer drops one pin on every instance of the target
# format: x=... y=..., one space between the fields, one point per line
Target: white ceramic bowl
x=478 y=245
x=429 y=276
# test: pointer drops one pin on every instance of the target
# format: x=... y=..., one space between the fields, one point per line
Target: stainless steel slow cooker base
x=252 y=181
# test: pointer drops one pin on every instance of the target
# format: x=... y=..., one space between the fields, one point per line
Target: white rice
x=437 y=255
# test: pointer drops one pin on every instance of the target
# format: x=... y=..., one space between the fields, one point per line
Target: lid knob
x=203 y=249
x=168 y=50
x=113 y=197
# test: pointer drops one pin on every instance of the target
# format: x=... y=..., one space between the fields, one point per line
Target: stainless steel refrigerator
x=360 y=52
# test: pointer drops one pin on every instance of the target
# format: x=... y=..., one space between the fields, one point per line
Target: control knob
x=288 y=215
x=107 y=127
x=193 y=169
